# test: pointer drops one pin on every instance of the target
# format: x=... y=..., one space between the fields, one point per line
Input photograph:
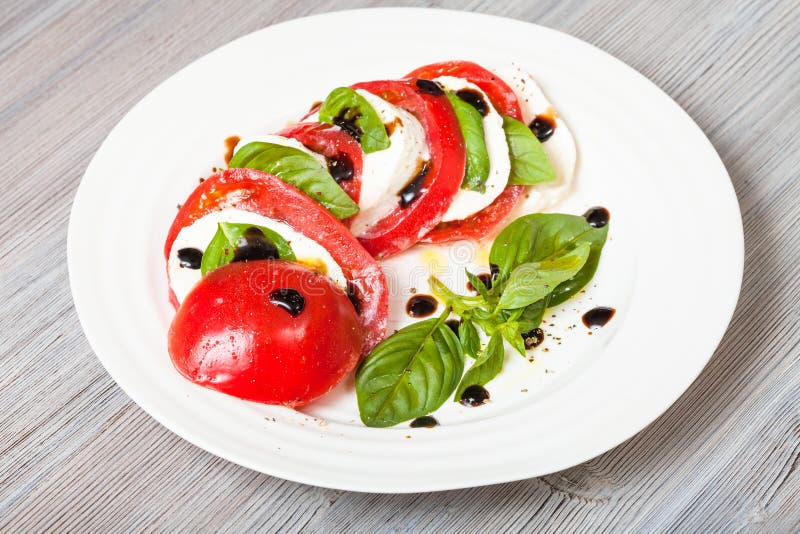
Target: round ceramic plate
x=673 y=261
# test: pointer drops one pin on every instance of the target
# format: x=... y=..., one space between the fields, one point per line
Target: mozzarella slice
x=199 y=235
x=560 y=147
x=283 y=141
x=468 y=202
x=387 y=171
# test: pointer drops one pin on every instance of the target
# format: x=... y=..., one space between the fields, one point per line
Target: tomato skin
x=268 y=195
x=227 y=335
x=333 y=143
x=403 y=227
x=505 y=101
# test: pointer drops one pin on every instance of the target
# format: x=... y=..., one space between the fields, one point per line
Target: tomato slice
x=404 y=226
x=505 y=101
x=343 y=153
x=267 y=195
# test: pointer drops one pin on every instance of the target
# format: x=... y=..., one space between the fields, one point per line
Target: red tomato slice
x=267 y=195
x=404 y=226
x=336 y=146
x=505 y=101
x=267 y=331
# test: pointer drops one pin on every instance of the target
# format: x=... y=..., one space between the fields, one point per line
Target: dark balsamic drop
x=289 y=299
x=341 y=168
x=597 y=216
x=543 y=127
x=426 y=421
x=495 y=270
x=354 y=296
x=430 y=87
x=347 y=122
x=598 y=317
x=190 y=258
x=474 y=396
x=453 y=324
x=421 y=306
x=533 y=338
x=474 y=99
x=414 y=187
x=253 y=245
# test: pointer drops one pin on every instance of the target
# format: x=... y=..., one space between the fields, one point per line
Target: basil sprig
x=229 y=236
x=542 y=260
x=410 y=374
x=354 y=114
x=470 y=123
x=529 y=162
x=300 y=169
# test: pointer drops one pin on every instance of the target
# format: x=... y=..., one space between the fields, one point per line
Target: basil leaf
x=228 y=237
x=470 y=123
x=470 y=340
x=510 y=332
x=350 y=111
x=478 y=285
x=596 y=239
x=533 y=281
x=532 y=315
x=485 y=368
x=410 y=374
x=300 y=169
x=529 y=162
x=539 y=235
x=459 y=303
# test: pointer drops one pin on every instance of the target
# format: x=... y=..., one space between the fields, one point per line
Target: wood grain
x=77 y=454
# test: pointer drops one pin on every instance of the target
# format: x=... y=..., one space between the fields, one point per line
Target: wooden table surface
x=76 y=454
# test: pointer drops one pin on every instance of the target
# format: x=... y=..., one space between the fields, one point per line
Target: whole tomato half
x=266 y=331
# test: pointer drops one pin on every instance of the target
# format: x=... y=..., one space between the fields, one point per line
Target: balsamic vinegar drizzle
x=421 y=306
x=426 y=421
x=253 y=245
x=474 y=396
x=533 y=338
x=347 y=122
x=354 y=296
x=543 y=127
x=430 y=87
x=474 y=99
x=598 y=317
x=230 y=146
x=411 y=191
x=453 y=324
x=597 y=216
x=190 y=258
x=341 y=168
x=289 y=299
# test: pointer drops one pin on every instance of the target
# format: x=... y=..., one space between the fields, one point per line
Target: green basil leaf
x=532 y=315
x=533 y=281
x=529 y=162
x=478 y=285
x=470 y=123
x=470 y=340
x=510 y=332
x=410 y=374
x=351 y=112
x=300 y=169
x=222 y=247
x=539 y=235
x=486 y=367
x=566 y=289
x=460 y=304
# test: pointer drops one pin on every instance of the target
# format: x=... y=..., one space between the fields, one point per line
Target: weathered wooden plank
x=76 y=454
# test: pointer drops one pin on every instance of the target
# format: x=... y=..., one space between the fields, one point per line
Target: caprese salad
x=274 y=263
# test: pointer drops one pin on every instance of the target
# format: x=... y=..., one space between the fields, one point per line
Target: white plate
x=672 y=267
